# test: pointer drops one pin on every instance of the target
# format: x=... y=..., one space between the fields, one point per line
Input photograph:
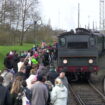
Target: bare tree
x=25 y=16
x=19 y=15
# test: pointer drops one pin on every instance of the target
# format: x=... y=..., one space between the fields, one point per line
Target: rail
x=87 y=94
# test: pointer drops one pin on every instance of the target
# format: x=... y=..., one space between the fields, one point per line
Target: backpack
x=18 y=100
x=25 y=100
x=21 y=98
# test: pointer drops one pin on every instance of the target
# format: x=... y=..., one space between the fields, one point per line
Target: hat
x=64 y=70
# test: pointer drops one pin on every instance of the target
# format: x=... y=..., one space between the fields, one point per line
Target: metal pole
x=88 y=22
x=93 y=25
x=101 y=14
x=78 y=15
x=35 y=22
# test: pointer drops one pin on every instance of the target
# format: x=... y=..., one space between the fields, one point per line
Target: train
x=79 y=52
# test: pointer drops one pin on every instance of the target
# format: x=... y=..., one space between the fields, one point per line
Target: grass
x=5 y=49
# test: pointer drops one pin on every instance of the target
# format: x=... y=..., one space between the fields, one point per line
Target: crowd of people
x=30 y=78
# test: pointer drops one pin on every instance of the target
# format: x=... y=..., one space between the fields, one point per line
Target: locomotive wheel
x=85 y=76
x=88 y=76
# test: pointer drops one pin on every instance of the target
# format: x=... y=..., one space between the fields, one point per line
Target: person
x=22 y=72
x=15 y=62
x=31 y=79
x=39 y=92
x=43 y=44
x=52 y=75
x=36 y=55
x=20 y=63
x=45 y=59
x=28 y=67
x=4 y=93
x=63 y=78
x=49 y=87
x=8 y=77
x=59 y=93
x=8 y=61
x=15 y=92
x=26 y=90
x=65 y=82
x=41 y=66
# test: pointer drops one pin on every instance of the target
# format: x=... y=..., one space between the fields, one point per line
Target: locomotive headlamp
x=90 y=61
x=65 y=61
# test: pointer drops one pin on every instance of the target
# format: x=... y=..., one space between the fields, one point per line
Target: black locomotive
x=78 y=52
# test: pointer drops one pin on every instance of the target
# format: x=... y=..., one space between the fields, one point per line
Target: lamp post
x=36 y=23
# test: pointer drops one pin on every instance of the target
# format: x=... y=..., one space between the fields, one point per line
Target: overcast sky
x=64 y=13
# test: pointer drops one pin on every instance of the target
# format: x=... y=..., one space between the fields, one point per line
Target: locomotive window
x=62 y=41
x=78 y=45
x=92 y=42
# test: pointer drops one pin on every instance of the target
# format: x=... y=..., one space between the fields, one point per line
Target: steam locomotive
x=79 y=51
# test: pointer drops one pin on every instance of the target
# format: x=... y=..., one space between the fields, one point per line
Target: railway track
x=87 y=94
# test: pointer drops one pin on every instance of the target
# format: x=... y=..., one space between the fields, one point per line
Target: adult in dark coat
x=15 y=62
x=52 y=75
x=4 y=93
x=8 y=61
x=45 y=59
x=26 y=90
x=28 y=68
